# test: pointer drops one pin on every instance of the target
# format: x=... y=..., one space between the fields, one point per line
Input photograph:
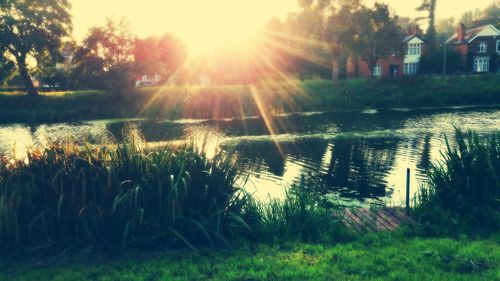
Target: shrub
x=463 y=192
x=117 y=196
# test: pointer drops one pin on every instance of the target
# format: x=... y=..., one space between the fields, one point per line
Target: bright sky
x=205 y=24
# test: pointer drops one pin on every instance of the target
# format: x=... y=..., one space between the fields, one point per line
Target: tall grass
x=300 y=216
x=129 y=195
x=118 y=196
x=463 y=192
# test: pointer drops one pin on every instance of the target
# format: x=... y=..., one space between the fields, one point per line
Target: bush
x=463 y=193
x=120 y=196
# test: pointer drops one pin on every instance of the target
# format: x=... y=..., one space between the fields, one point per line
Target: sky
x=201 y=23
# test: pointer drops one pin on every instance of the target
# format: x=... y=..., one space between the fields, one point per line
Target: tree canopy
x=105 y=58
x=28 y=28
x=159 y=55
x=429 y=6
x=376 y=34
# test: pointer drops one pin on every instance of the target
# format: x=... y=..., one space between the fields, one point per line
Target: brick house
x=479 y=48
x=394 y=65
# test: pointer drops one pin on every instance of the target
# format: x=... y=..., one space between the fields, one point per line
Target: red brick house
x=479 y=48
x=395 y=65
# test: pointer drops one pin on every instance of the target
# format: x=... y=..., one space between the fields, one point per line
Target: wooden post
x=408 y=189
x=301 y=195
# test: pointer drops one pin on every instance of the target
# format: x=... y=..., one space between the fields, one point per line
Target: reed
x=463 y=190
x=118 y=196
x=301 y=215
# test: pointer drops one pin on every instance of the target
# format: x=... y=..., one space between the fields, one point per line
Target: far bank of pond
x=237 y=101
x=357 y=157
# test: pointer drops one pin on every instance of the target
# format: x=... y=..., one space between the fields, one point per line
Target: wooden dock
x=373 y=220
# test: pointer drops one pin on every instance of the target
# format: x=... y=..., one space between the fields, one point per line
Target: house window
x=377 y=71
x=481 y=64
x=410 y=68
x=482 y=47
x=414 y=49
x=498 y=46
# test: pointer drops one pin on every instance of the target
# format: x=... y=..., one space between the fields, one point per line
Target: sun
x=219 y=24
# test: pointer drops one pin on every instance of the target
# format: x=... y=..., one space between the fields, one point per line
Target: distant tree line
x=35 y=42
x=316 y=41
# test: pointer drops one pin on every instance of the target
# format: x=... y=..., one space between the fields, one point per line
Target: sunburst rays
x=262 y=58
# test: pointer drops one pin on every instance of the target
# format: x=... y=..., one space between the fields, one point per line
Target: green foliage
x=104 y=61
x=300 y=216
x=433 y=62
x=429 y=6
x=463 y=192
x=477 y=17
x=377 y=34
x=6 y=70
x=124 y=196
x=32 y=27
x=236 y=101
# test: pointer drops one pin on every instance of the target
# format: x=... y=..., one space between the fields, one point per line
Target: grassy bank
x=372 y=257
x=249 y=100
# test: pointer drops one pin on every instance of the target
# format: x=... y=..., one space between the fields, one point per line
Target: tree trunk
x=23 y=71
x=335 y=64
x=335 y=70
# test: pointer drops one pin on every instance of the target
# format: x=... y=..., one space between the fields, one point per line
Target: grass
x=463 y=190
x=117 y=196
x=250 y=100
x=302 y=216
x=371 y=257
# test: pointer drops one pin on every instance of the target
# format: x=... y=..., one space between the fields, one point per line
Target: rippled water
x=359 y=157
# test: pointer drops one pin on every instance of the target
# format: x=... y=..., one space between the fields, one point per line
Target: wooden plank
x=354 y=220
x=383 y=219
x=387 y=221
x=388 y=218
x=366 y=220
x=375 y=220
x=402 y=216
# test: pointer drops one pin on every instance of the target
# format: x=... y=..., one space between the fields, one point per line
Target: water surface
x=360 y=158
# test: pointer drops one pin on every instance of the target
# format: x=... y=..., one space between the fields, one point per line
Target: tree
x=445 y=28
x=6 y=69
x=490 y=15
x=159 y=55
x=105 y=59
x=377 y=34
x=433 y=62
x=30 y=27
x=340 y=32
x=429 y=6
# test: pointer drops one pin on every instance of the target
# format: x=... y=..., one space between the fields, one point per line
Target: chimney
x=461 y=32
x=414 y=30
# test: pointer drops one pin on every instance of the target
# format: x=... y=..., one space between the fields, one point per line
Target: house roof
x=471 y=34
x=409 y=37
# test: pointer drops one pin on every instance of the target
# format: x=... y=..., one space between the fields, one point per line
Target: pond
x=359 y=158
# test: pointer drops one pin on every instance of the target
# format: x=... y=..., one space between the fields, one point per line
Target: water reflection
x=358 y=157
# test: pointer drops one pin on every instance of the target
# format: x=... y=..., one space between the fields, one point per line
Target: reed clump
x=118 y=196
x=463 y=190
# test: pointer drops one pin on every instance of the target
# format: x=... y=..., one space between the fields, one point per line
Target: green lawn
x=248 y=100
x=372 y=257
